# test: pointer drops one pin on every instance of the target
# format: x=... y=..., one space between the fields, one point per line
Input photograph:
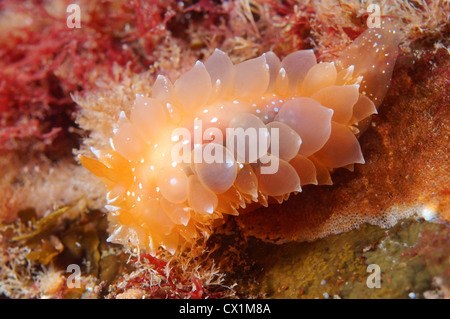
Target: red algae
x=156 y=278
x=44 y=61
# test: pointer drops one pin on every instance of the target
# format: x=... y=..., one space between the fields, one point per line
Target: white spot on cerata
x=111 y=143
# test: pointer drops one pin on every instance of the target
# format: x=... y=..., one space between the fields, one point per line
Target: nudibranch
x=309 y=114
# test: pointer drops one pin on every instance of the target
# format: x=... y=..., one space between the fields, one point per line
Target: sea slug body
x=315 y=108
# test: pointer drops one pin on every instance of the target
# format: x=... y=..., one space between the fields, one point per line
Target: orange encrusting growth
x=156 y=201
